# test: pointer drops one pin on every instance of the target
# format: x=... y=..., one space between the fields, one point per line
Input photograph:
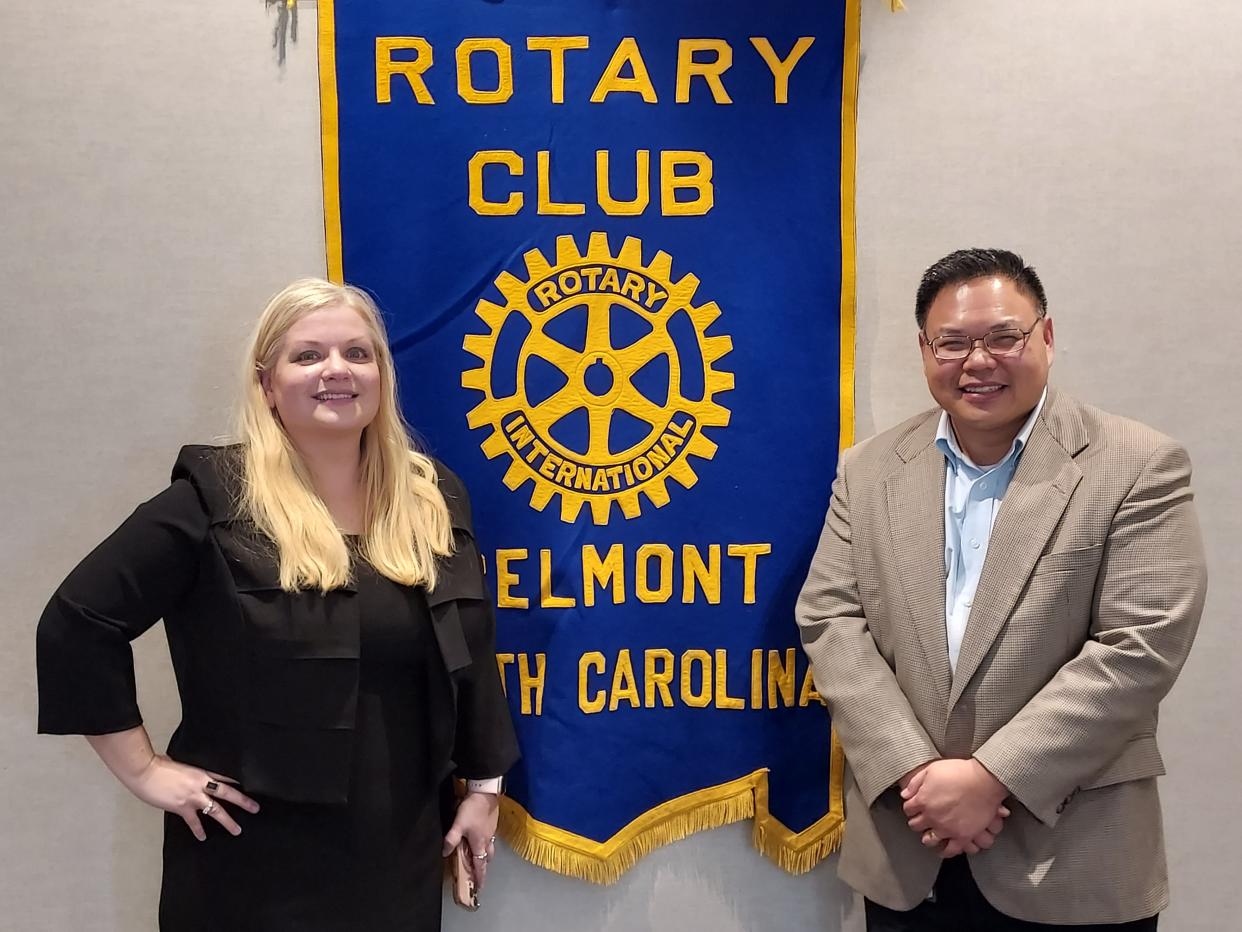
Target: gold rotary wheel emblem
x=604 y=378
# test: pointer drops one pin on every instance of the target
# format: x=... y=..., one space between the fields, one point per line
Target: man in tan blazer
x=1005 y=588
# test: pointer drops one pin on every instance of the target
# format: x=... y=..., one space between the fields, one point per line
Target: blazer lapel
x=915 y=495
x=1034 y=503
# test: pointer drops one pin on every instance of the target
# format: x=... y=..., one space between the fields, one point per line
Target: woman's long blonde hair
x=406 y=522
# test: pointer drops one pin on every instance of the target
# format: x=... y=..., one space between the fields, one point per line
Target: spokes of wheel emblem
x=599 y=378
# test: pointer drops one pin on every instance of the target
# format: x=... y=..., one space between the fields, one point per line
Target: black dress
x=370 y=865
x=344 y=714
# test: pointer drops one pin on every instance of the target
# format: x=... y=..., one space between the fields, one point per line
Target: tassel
x=286 y=25
x=896 y=6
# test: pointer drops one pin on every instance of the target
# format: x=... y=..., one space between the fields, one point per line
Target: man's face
x=987 y=397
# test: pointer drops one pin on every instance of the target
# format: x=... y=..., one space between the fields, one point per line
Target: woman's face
x=325 y=377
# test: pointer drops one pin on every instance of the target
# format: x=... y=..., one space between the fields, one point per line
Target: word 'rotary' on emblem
x=598 y=377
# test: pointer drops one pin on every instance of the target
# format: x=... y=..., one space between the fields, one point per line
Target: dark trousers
x=958 y=906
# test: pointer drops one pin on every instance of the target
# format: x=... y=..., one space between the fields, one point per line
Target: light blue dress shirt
x=972 y=497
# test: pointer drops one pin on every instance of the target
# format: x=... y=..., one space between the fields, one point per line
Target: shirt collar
x=946 y=440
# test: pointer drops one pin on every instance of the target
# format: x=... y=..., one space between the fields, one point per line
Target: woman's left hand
x=475 y=822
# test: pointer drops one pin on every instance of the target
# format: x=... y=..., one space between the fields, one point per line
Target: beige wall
x=159 y=178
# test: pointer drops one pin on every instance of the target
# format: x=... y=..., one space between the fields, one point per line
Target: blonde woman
x=333 y=644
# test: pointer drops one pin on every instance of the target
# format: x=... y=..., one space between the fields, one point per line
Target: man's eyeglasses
x=954 y=346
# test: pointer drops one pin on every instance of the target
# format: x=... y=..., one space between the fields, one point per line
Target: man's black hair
x=968 y=264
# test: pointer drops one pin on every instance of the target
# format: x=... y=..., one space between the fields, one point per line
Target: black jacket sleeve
x=485 y=744
x=144 y=569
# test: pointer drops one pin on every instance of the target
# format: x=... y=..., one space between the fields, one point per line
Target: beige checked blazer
x=1088 y=602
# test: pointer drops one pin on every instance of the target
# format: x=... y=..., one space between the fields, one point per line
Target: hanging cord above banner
x=286 y=26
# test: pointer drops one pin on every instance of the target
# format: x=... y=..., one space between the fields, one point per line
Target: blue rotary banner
x=613 y=242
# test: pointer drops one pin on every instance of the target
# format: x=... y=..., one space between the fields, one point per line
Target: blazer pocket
x=304 y=653
x=253 y=562
x=1069 y=561
x=302 y=625
x=304 y=693
x=1140 y=758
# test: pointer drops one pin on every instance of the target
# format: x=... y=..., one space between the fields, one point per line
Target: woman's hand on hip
x=162 y=782
x=191 y=793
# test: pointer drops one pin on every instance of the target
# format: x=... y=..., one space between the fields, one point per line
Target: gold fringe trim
x=793 y=859
x=896 y=6
x=573 y=863
x=798 y=852
x=604 y=862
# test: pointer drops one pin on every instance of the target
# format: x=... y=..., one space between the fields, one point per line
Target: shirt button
x=974 y=544
x=968 y=602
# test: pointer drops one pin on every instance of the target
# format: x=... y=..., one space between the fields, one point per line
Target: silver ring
x=209 y=808
x=211 y=787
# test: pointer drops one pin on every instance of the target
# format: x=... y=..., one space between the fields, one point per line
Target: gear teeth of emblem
x=598 y=476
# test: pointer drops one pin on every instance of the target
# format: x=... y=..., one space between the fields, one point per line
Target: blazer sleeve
x=1149 y=595
x=144 y=569
x=882 y=737
x=485 y=744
